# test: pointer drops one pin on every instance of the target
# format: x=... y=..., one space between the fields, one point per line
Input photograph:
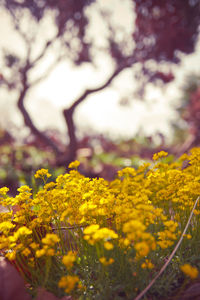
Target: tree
x=161 y=30
x=189 y=111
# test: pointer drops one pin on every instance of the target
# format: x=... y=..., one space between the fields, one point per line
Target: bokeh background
x=107 y=82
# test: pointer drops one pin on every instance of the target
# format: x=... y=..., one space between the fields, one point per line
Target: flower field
x=98 y=239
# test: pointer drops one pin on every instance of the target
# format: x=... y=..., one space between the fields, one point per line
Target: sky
x=100 y=112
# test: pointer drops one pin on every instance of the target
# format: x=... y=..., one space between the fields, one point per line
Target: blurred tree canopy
x=189 y=111
x=161 y=30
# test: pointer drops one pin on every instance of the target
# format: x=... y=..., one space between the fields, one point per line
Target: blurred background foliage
x=161 y=32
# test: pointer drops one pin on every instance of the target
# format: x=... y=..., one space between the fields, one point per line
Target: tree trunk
x=68 y=115
x=28 y=122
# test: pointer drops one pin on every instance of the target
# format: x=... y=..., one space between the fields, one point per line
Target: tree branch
x=68 y=113
x=27 y=119
x=43 y=52
x=18 y=29
x=47 y=72
x=88 y=92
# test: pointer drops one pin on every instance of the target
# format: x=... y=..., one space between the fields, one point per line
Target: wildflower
x=40 y=253
x=91 y=229
x=11 y=255
x=133 y=225
x=26 y=252
x=42 y=173
x=50 y=239
x=104 y=234
x=108 y=246
x=147 y=264
x=190 y=271
x=142 y=249
x=22 y=231
x=74 y=164
x=4 y=191
x=50 y=252
x=6 y=226
x=24 y=189
x=106 y=262
x=69 y=259
x=34 y=246
x=49 y=185
x=160 y=154
x=68 y=283
x=188 y=236
x=127 y=172
x=183 y=157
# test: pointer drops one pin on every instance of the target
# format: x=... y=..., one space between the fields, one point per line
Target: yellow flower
x=22 y=231
x=3 y=191
x=11 y=255
x=6 y=226
x=49 y=185
x=26 y=252
x=50 y=252
x=184 y=157
x=133 y=225
x=34 y=245
x=42 y=173
x=91 y=229
x=127 y=172
x=142 y=248
x=24 y=188
x=74 y=164
x=188 y=236
x=68 y=282
x=160 y=154
x=69 y=259
x=108 y=246
x=104 y=234
x=106 y=262
x=190 y=271
x=40 y=253
x=147 y=264
x=50 y=239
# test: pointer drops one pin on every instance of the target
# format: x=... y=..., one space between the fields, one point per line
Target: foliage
x=189 y=112
x=99 y=157
x=95 y=239
x=190 y=108
x=19 y=163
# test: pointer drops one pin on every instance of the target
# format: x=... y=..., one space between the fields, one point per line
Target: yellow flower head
x=3 y=191
x=68 y=282
x=160 y=154
x=24 y=189
x=50 y=239
x=74 y=164
x=69 y=259
x=40 y=253
x=108 y=246
x=104 y=234
x=11 y=255
x=190 y=271
x=147 y=264
x=42 y=173
x=91 y=229
x=142 y=249
x=6 y=226
x=106 y=262
x=26 y=252
x=22 y=231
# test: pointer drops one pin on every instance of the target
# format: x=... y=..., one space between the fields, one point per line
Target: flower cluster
x=86 y=229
